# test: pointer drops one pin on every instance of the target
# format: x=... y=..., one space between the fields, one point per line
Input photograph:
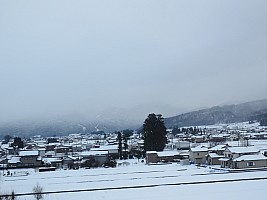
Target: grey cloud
x=89 y=56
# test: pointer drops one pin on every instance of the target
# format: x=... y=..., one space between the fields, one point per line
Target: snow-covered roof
x=72 y=157
x=4 y=146
x=28 y=153
x=105 y=148
x=53 y=144
x=74 y=146
x=218 y=147
x=62 y=147
x=184 y=153
x=198 y=136
x=221 y=135
x=14 y=160
x=215 y=155
x=243 y=149
x=167 y=153
x=2 y=159
x=149 y=152
x=51 y=160
x=250 y=157
x=51 y=153
x=93 y=153
x=199 y=149
x=224 y=159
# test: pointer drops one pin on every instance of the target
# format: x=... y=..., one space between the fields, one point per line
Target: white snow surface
x=139 y=174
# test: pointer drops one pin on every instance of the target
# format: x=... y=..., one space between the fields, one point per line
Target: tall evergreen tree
x=120 y=144
x=263 y=122
x=154 y=133
x=18 y=143
x=7 y=138
x=125 y=138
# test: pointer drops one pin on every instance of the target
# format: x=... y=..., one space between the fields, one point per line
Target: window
x=249 y=164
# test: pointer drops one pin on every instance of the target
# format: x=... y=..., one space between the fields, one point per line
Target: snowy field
x=156 y=182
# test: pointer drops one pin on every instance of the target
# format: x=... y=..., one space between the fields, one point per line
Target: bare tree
x=38 y=192
x=8 y=196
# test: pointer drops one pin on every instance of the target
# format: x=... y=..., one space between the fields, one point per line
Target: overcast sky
x=88 y=57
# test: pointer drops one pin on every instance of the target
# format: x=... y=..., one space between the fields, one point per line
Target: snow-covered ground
x=237 y=126
x=157 y=182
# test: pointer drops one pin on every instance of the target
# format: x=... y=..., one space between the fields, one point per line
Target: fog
x=129 y=58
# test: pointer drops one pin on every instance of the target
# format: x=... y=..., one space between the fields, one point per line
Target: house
x=250 y=161
x=41 y=152
x=219 y=149
x=259 y=136
x=29 y=159
x=197 y=155
x=77 y=147
x=69 y=162
x=219 y=137
x=111 y=149
x=11 y=151
x=2 y=152
x=183 y=145
x=151 y=157
x=5 y=147
x=235 y=152
x=51 y=146
x=30 y=146
x=213 y=158
x=62 y=150
x=215 y=153
x=198 y=138
x=14 y=162
x=52 y=162
x=163 y=156
x=94 y=158
x=169 y=156
x=232 y=153
x=50 y=154
x=3 y=162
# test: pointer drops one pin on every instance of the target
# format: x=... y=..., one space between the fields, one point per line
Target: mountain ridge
x=220 y=114
x=254 y=110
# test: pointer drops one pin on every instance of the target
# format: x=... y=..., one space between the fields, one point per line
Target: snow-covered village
x=134 y=99
x=219 y=161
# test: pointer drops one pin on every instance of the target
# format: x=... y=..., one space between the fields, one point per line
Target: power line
x=138 y=186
